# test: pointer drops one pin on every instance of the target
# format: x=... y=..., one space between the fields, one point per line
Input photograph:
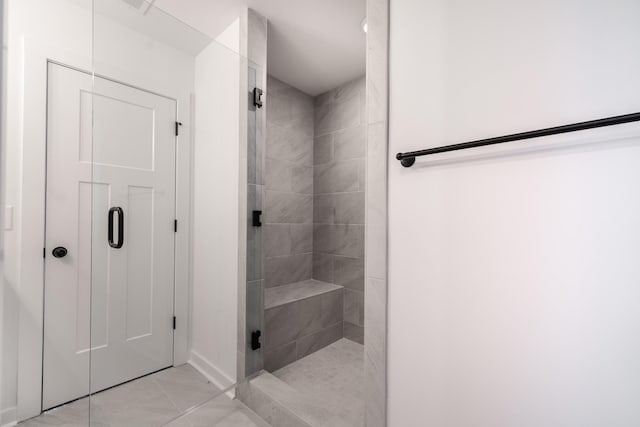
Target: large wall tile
x=354 y=307
x=309 y=318
x=348 y=272
x=341 y=93
x=337 y=116
x=349 y=208
x=287 y=144
x=377 y=201
x=278 y=175
x=332 y=308
x=301 y=238
x=323 y=209
x=350 y=143
x=279 y=327
x=285 y=176
x=277 y=240
x=290 y=108
x=353 y=332
x=287 y=269
x=282 y=112
x=302 y=179
x=323 y=241
x=287 y=208
x=287 y=239
x=348 y=240
x=314 y=342
x=279 y=357
x=323 y=149
x=323 y=267
x=337 y=177
x=339 y=239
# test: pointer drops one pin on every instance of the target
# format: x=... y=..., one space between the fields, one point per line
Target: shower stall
x=184 y=233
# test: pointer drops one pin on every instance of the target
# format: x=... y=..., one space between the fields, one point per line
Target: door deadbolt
x=59 y=252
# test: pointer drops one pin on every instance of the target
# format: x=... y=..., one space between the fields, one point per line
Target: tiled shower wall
x=315 y=192
x=288 y=214
x=339 y=197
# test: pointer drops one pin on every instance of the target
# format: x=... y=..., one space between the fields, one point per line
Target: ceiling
x=313 y=45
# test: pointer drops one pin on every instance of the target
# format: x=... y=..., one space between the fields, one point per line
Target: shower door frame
x=31 y=218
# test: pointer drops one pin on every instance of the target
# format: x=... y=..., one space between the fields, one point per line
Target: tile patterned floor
x=154 y=401
x=334 y=376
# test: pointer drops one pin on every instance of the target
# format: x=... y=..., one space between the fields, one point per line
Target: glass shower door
x=45 y=349
x=164 y=312
x=144 y=63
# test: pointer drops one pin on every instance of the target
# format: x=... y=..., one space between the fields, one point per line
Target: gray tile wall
x=288 y=176
x=314 y=209
x=339 y=150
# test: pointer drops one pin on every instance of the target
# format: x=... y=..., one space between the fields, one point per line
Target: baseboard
x=8 y=417
x=210 y=371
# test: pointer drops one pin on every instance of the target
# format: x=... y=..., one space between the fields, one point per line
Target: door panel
x=122 y=298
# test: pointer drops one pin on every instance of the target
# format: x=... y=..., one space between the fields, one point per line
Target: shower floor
x=323 y=389
x=334 y=377
x=155 y=400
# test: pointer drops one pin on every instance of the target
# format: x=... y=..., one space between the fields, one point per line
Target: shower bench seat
x=280 y=295
x=299 y=319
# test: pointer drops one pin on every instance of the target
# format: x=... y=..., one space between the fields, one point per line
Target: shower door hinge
x=255 y=340
x=257 y=97
x=255 y=218
x=175 y=225
x=174 y=323
x=178 y=124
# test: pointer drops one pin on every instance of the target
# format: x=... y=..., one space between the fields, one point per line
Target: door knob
x=59 y=252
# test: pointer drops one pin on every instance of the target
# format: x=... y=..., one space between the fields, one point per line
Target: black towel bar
x=409 y=158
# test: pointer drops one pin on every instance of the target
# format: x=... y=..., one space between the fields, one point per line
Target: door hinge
x=44 y=252
x=174 y=323
x=175 y=225
x=255 y=340
x=255 y=218
x=178 y=124
x=257 y=97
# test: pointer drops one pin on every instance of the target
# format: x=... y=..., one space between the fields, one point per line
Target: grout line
x=340 y=192
x=339 y=223
x=289 y=256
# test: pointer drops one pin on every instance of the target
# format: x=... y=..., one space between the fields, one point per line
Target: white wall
x=513 y=273
x=216 y=177
x=63 y=31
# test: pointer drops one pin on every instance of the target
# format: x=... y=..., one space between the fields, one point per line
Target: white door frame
x=30 y=219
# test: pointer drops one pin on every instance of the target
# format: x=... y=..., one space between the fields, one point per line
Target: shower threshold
x=322 y=389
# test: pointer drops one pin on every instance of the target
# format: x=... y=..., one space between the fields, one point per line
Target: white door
x=113 y=304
